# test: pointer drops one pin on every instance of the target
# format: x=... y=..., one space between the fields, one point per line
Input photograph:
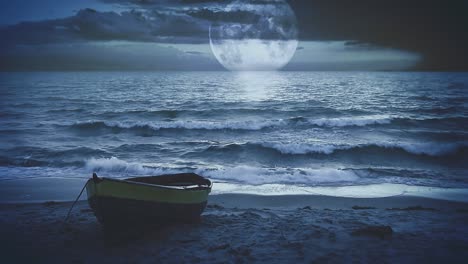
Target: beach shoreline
x=59 y=189
x=249 y=228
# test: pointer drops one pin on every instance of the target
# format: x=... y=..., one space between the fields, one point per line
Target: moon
x=262 y=38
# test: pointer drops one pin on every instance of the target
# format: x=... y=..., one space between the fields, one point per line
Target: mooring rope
x=77 y=198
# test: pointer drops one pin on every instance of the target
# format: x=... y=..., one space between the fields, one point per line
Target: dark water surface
x=298 y=128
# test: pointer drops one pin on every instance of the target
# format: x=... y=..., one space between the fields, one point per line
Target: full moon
x=263 y=38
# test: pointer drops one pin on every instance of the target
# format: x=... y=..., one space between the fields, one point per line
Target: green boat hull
x=181 y=198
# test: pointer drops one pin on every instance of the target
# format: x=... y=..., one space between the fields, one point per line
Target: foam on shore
x=356 y=191
x=62 y=189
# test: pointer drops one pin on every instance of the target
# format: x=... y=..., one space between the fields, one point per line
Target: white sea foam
x=418 y=148
x=119 y=166
x=257 y=175
x=355 y=191
x=301 y=148
x=187 y=124
x=244 y=174
x=216 y=125
x=241 y=124
x=112 y=164
x=430 y=148
x=352 y=121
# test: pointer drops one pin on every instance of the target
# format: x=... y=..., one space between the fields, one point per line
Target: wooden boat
x=148 y=200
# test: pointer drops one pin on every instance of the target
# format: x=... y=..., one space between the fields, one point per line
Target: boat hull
x=121 y=202
x=112 y=211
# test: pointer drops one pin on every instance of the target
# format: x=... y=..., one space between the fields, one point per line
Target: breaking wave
x=256 y=175
x=195 y=125
x=352 y=121
x=114 y=164
x=244 y=174
x=254 y=125
x=428 y=149
x=230 y=125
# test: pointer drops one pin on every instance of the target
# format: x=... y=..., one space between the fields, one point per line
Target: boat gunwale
x=187 y=188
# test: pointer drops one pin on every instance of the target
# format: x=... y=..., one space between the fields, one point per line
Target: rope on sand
x=77 y=198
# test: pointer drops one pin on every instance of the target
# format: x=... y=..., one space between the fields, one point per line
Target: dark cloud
x=437 y=29
x=237 y=16
x=254 y=20
x=91 y=25
x=164 y=3
x=153 y=21
x=194 y=52
x=94 y=56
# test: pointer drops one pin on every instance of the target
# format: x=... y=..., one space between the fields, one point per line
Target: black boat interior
x=180 y=179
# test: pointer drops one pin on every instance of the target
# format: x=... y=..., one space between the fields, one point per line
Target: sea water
x=249 y=128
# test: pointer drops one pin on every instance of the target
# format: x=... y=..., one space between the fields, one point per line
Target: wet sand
x=239 y=228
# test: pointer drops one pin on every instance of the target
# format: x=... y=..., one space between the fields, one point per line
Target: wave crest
x=429 y=149
x=352 y=121
x=256 y=175
x=235 y=124
x=195 y=125
x=114 y=164
x=244 y=173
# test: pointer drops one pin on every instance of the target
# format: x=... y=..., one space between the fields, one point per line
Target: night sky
x=173 y=35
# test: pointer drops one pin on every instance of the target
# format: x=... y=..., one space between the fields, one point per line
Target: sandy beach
x=240 y=228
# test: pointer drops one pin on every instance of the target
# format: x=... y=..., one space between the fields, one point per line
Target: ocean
x=245 y=128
